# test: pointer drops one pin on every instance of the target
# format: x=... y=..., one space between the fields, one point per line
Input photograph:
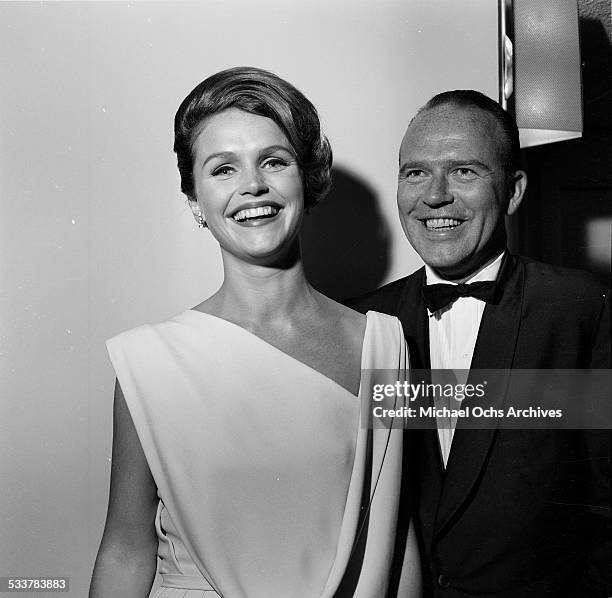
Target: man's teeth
x=250 y=213
x=441 y=222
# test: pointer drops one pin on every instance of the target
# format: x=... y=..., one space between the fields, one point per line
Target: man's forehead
x=451 y=116
x=450 y=124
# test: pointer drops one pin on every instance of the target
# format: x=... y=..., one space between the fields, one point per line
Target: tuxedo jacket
x=516 y=513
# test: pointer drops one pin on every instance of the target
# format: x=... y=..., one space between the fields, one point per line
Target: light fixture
x=540 y=79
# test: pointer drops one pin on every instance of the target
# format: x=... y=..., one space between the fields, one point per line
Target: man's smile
x=441 y=224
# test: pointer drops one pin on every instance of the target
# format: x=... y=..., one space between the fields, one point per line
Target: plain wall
x=95 y=236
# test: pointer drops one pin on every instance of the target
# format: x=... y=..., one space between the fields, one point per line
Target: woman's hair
x=265 y=94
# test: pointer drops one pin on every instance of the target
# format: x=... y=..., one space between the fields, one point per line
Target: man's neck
x=488 y=271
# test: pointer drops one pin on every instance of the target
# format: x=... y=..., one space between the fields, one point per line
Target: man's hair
x=259 y=92
x=468 y=98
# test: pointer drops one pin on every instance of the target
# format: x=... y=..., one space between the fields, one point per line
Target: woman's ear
x=517 y=191
x=196 y=210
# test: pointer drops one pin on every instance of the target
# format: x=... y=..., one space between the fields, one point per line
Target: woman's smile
x=247 y=179
x=256 y=213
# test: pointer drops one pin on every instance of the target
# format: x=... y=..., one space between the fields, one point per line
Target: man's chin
x=454 y=273
x=445 y=261
x=459 y=270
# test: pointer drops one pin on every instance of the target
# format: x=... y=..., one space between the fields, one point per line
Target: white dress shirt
x=452 y=337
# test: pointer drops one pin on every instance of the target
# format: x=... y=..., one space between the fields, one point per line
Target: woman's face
x=248 y=185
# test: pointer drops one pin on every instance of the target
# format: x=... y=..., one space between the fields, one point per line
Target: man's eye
x=224 y=170
x=414 y=174
x=274 y=163
x=465 y=173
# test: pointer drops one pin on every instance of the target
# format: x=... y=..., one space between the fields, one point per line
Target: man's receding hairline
x=425 y=109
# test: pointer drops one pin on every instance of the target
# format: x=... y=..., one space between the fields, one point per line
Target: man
x=500 y=513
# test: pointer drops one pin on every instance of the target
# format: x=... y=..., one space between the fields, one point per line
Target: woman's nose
x=253 y=182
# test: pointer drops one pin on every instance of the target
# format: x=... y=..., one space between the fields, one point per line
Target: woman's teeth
x=251 y=213
x=442 y=223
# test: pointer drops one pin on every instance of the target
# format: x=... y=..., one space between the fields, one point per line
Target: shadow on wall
x=596 y=54
x=345 y=240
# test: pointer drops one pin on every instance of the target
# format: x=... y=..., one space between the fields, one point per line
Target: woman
x=241 y=450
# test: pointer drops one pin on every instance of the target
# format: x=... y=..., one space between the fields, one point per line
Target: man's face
x=453 y=190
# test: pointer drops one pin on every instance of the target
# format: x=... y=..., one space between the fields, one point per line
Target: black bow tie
x=437 y=296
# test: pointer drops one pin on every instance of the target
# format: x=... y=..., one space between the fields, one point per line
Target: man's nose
x=437 y=192
x=253 y=182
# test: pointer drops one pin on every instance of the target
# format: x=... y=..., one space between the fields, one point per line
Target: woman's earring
x=196 y=210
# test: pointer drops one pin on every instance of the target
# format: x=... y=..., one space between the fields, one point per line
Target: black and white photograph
x=306 y=299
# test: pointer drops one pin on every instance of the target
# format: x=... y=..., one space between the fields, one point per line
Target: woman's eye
x=274 y=163
x=222 y=171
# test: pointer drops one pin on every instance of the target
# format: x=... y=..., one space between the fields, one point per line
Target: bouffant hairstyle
x=468 y=98
x=262 y=93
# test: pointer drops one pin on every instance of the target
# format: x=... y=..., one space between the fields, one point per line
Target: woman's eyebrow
x=278 y=147
x=215 y=155
x=228 y=155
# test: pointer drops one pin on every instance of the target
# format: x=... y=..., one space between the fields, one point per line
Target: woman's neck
x=263 y=293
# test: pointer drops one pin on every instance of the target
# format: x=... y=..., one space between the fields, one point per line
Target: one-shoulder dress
x=271 y=482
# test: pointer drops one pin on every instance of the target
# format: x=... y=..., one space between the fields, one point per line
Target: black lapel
x=423 y=454
x=413 y=316
x=495 y=346
x=500 y=324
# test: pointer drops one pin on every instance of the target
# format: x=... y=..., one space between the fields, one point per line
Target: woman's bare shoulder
x=351 y=321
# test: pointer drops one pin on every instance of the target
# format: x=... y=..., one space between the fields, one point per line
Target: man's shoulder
x=388 y=298
x=564 y=283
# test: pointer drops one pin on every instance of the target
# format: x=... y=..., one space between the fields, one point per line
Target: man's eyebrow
x=404 y=166
x=469 y=162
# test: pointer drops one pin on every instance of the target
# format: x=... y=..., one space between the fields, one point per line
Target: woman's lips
x=246 y=214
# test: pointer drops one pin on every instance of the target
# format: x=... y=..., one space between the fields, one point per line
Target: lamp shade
x=541 y=51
